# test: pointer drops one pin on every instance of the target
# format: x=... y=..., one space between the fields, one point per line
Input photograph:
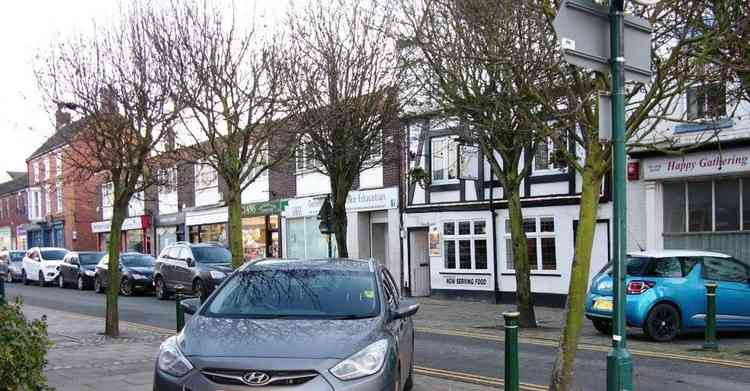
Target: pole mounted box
x=582 y=28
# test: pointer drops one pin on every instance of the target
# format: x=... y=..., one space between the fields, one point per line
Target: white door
x=420 y=263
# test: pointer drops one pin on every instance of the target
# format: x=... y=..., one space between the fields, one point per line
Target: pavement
x=82 y=359
x=459 y=346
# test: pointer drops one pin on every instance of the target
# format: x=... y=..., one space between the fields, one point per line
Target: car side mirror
x=406 y=308
x=190 y=261
x=191 y=305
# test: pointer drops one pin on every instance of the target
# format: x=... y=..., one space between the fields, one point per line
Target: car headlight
x=89 y=273
x=217 y=275
x=363 y=363
x=171 y=360
x=139 y=276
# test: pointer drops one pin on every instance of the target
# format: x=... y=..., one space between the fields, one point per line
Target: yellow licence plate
x=603 y=305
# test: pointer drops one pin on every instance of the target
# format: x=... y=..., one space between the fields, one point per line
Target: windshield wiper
x=350 y=316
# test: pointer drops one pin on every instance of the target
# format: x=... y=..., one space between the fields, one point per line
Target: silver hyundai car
x=331 y=324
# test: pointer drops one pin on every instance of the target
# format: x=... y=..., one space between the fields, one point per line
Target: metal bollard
x=180 y=311
x=710 y=334
x=511 y=351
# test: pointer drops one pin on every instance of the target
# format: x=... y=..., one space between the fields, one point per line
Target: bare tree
x=112 y=80
x=231 y=77
x=480 y=59
x=347 y=89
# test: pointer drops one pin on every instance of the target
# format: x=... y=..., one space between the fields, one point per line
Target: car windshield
x=140 y=260
x=212 y=254
x=53 y=255
x=16 y=256
x=89 y=258
x=297 y=293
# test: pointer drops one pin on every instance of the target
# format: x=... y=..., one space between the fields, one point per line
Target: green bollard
x=511 y=351
x=180 y=311
x=710 y=334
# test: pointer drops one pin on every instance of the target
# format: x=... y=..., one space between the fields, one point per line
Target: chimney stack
x=61 y=118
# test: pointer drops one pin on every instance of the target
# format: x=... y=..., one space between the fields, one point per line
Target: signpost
x=582 y=28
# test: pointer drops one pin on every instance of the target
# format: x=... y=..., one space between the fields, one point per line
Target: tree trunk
x=112 y=323
x=562 y=373
x=339 y=218
x=524 y=300
x=235 y=229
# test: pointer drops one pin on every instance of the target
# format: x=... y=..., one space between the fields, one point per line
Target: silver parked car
x=333 y=324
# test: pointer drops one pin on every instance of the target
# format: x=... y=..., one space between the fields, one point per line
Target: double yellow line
x=592 y=347
x=472 y=378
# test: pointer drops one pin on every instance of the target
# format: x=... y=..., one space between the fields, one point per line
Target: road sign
x=582 y=28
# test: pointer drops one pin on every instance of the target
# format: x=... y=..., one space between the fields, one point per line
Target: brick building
x=13 y=216
x=61 y=201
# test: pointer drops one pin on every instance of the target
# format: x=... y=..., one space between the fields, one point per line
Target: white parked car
x=41 y=264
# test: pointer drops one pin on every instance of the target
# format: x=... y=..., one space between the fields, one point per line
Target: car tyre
x=160 y=290
x=81 y=285
x=61 y=281
x=23 y=277
x=126 y=287
x=602 y=326
x=662 y=323
x=200 y=290
x=98 y=286
x=41 y=279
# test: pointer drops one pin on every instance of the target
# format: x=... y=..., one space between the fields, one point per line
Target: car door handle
x=424 y=264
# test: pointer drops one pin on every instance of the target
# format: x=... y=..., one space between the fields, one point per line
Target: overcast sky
x=26 y=28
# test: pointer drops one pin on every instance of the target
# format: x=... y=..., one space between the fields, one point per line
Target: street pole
x=511 y=351
x=619 y=360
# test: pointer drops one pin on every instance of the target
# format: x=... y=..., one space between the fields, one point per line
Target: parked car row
x=181 y=267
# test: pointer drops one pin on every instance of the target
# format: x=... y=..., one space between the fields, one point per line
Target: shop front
x=261 y=229
x=21 y=241
x=135 y=234
x=698 y=201
x=207 y=225
x=170 y=228
x=6 y=239
x=373 y=228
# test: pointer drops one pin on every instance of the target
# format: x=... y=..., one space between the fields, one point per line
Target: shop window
x=540 y=244
x=304 y=239
x=465 y=249
x=706 y=102
x=444 y=159
x=706 y=206
x=134 y=241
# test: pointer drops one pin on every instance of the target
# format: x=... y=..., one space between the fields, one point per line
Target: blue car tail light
x=636 y=287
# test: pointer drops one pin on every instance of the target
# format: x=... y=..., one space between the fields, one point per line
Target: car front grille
x=277 y=378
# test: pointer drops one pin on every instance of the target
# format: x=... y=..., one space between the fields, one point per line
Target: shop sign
x=274 y=207
x=697 y=164
x=466 y=280
x=210 y=216
x=127 y=224
x=357 y=201
x=170 y=219
x=434 y=242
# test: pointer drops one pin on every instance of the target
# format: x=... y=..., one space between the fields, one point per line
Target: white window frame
x=472 y=237
x=167 y=180
x=301 y=155
x=47 y=200
x=46 y=167
x=702 y=89
x=206 y=177
x=448 y=158
x=537 y=236
x=551 y=165
x=107 y=190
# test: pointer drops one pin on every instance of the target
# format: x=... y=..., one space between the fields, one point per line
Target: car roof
x=677 y=253
x=51 y=248
x=322 y=263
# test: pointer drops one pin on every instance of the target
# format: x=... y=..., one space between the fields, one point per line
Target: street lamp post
x=619 y=360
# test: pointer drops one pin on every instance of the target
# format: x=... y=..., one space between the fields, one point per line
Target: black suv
x=191 y=268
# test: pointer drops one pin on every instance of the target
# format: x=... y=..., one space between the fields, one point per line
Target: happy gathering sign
x=697 y=164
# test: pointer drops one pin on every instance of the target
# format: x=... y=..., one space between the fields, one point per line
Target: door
x=31 y=264
x=68 y=268
x=401 y=328
x=379 y=243
x=183 y=272
x=732 y=278
x=419 y=262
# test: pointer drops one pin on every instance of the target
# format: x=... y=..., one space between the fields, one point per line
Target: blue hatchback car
x=666 y=293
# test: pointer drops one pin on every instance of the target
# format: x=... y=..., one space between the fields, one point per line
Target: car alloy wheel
x=662 y=323
x=126 y=287
x=98 y=287
x=60 y=281
x=41 y=279
x=23 y=277
x=9 y=277
x=200 y=290
x=80 y=283
x=161 y=292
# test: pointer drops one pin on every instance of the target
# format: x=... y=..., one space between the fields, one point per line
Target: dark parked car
x=137 y=272
x=333 y=324
x=79 y=268
x=191 y=268
x=13 y=260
